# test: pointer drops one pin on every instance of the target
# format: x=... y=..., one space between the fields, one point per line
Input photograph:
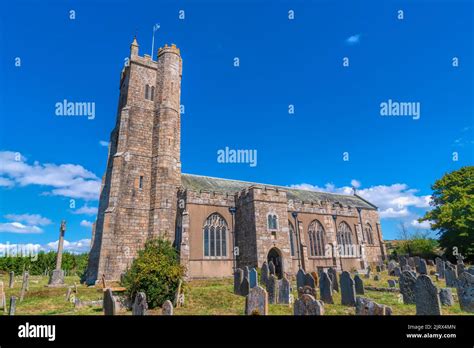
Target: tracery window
x=368 y=234
x=272 y=222
x=344 y=239
x=215 y=236
x=316 y=239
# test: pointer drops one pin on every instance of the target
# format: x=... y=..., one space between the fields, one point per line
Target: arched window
x=316 y=239
x=344 y=239
x=272 y=222
x=215 y=236
x=147 y=92
x=292 y=238
x=152 y=95
x=368 y=234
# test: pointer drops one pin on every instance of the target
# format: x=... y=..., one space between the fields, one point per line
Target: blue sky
x=393 y=160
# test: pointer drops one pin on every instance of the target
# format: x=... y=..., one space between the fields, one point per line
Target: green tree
x=453 y=212
x=156 y=271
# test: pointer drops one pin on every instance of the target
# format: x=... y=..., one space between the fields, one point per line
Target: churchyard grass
x=203 y=297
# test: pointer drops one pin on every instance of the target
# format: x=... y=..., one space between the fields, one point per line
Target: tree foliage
x=156 y=271
x=417 y=244
x=453 y=212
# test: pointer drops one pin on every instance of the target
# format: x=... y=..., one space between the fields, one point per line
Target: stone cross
x=325 y=288
x=140 y=305
x=308 y=305
x=57 y=277
x=12 y=305
x=348 y=294
x=426 y=297
x=167 y=308
x=256 y=302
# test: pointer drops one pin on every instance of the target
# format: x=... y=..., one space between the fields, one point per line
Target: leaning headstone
x=359 y=285
x=272 y=289
x=271 y=268
x=11 y=284
x=411 y=262
x=265 y=273
x=365 y=306
x=253 y=278
x=407 y=287
x=465 y=290
x=325 y=288
x=238 y=278
x=284 y=291
x=450 y=276
x=426 y=297
x=140 y=305
x=440 y=267
x=422 y=268
x=309 y=280
x=12 y=305
x=333 y=276
x=244 y=287
x=308 y=305
x=446 y=297
x=348 y=294
x=256 y=302
x=392 y=283
x=167 y=308
x=110 y=303
x=300 y=278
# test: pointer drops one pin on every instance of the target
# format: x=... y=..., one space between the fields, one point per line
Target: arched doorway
x=274 y=255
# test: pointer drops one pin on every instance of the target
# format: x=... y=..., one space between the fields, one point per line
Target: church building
x=216 y=224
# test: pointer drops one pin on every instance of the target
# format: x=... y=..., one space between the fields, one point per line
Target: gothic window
x=272 y=220
x=292 y=238
x=215 y=236
x=368 y=234
x=152 y=95
x=316 y=239
x=344 y=239
x=147 y=92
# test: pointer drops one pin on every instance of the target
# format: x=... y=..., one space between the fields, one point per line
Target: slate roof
x=206 y=183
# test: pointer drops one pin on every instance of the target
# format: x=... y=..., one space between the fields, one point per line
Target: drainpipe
x=298 y=242
x=232 y=211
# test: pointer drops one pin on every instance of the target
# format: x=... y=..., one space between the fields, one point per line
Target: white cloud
x=355 y=183
x=30 y=219
x=77 y=247
x=70 y=180
x=85 y=210
x=85 y=223
x=103 y=143
x=354 y=39
x=425 y=225
x=5 y=182
x=17 y=227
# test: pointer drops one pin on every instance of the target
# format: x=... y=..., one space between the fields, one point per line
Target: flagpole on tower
x=155 y=28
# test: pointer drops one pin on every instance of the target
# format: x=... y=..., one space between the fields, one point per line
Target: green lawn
x=203 y=297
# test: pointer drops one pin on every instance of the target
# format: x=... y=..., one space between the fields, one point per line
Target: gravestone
x=12 y=305
x=140 y=305
x=376 y=277
x=426 y=297
x=348 y=294
x=378 y=268
x=417 y=259
x=391 y=266
x=271 y=268
x=308 y=305
x=265 y=274
x=460 y=268
x=333 y=276
x=465 y=290
x=407 y=268
x=446 y=297
x=359 y=285
x=253 y=278
x=392 y=283
x=367 y=274
x=57 y=277
x=68 y=293
x=256 y=302
x=167 y=307
x=411 y=262
x=238 y=278
x=325 y=288
x=365 y=306
x=284 y=291
x=307 y=290
x=178 y=296
x=423 y=269
x=272 y=289
x=110 y=303
x=309 y=280
x=450 y=276
x=407 y=283
x=11 y=284
x=24 y=285
x=430 y=262
x=471 y=270
x=244 y=287
x=440 y=267
x=300 y=278
x=315 y=277
x=402 y=260
x=397 y=271
x=246 y=272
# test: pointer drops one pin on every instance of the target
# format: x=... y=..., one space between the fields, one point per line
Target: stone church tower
x=138 y=197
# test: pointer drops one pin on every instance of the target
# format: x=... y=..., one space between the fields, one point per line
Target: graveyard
x=385 y=285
